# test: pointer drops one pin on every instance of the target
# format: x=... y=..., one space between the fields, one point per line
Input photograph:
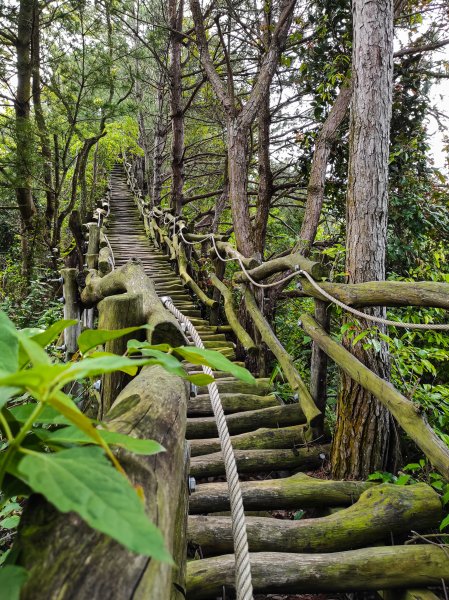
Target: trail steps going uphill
x=271 y=453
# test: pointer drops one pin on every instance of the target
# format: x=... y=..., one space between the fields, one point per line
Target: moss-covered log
x=200 y=405
x=404 y=411
x=255 y=461
x=105 y=261
x=382 y=293
x=380 y=512
x=182 y=264
x=353 y=570
x=242 y=335
x=234 y=386
x=273 y=416
x=408 y=595
x=264 y=438
x=297 y=491
x=292 y=262
x=312 y=413
x=226 y=249
x=68 y=560
x=131 y=278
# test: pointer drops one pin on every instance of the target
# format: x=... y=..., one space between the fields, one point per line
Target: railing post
x=318 y=363
x=71 y=309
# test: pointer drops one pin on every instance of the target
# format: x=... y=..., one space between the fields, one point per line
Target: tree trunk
x=363 y=440
x=160 y=137
x=22 y=111
x=265 y=190
x=42 y=126
x=238 y=187
x=175 y=9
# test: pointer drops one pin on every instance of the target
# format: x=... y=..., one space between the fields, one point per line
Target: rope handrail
x=243 y=578
x=301 y=272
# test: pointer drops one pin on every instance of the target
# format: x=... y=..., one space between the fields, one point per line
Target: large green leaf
x=34 y=378
x=48 y=416
x=82 y=480
x=168 y=361
x=90 y=338
x=31 y=351
x=6 y=393
x=9 y=345
x=42 y=337
x=49 y=335
x=11 y=580
x=214 y=360
x=73 y=435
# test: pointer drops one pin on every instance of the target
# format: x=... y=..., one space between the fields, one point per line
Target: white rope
x=243 y=581
x=111 y=258
x=362 y=315
x=354 y=311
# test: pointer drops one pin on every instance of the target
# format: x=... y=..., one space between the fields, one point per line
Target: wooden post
x=116 y=312
x=93 y=245
x=318 y=363
x=220 y=268
x=71 y=310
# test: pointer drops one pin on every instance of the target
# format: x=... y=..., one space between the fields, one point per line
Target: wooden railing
x=175 y=237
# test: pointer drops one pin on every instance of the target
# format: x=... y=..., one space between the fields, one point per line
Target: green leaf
x=402 y=480
x=359 y=337
x=10 y=522
x=73 y=435
x=82 y=480
x=6 y=393
x=34 y=378
x=48 y=416
x=9 y=346
x=49 y=335
x=90 y=338
x=89 y=367
x=136 y=346
x=214 y=360
x=11 y=580
x=444 y=523
x=200 y=379
x=31 y=351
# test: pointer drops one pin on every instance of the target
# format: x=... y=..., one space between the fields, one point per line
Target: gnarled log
x=131 y=278
x=380 y=512
x=69 y=560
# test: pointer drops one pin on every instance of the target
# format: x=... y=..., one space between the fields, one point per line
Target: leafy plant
x=53 y=449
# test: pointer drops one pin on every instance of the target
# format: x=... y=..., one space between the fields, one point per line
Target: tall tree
x=363 y=439
x=240 y=118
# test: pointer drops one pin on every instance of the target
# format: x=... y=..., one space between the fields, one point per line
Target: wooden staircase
x=272 y=456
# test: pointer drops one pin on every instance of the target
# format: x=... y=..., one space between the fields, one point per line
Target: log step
x=273 y=416
x=257 y=461
x=200 y=406
x=367 y=569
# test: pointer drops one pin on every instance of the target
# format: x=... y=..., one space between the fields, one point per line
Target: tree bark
x=175 y=15
x=42 y=126
x=364 y=440
x=22 y=111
